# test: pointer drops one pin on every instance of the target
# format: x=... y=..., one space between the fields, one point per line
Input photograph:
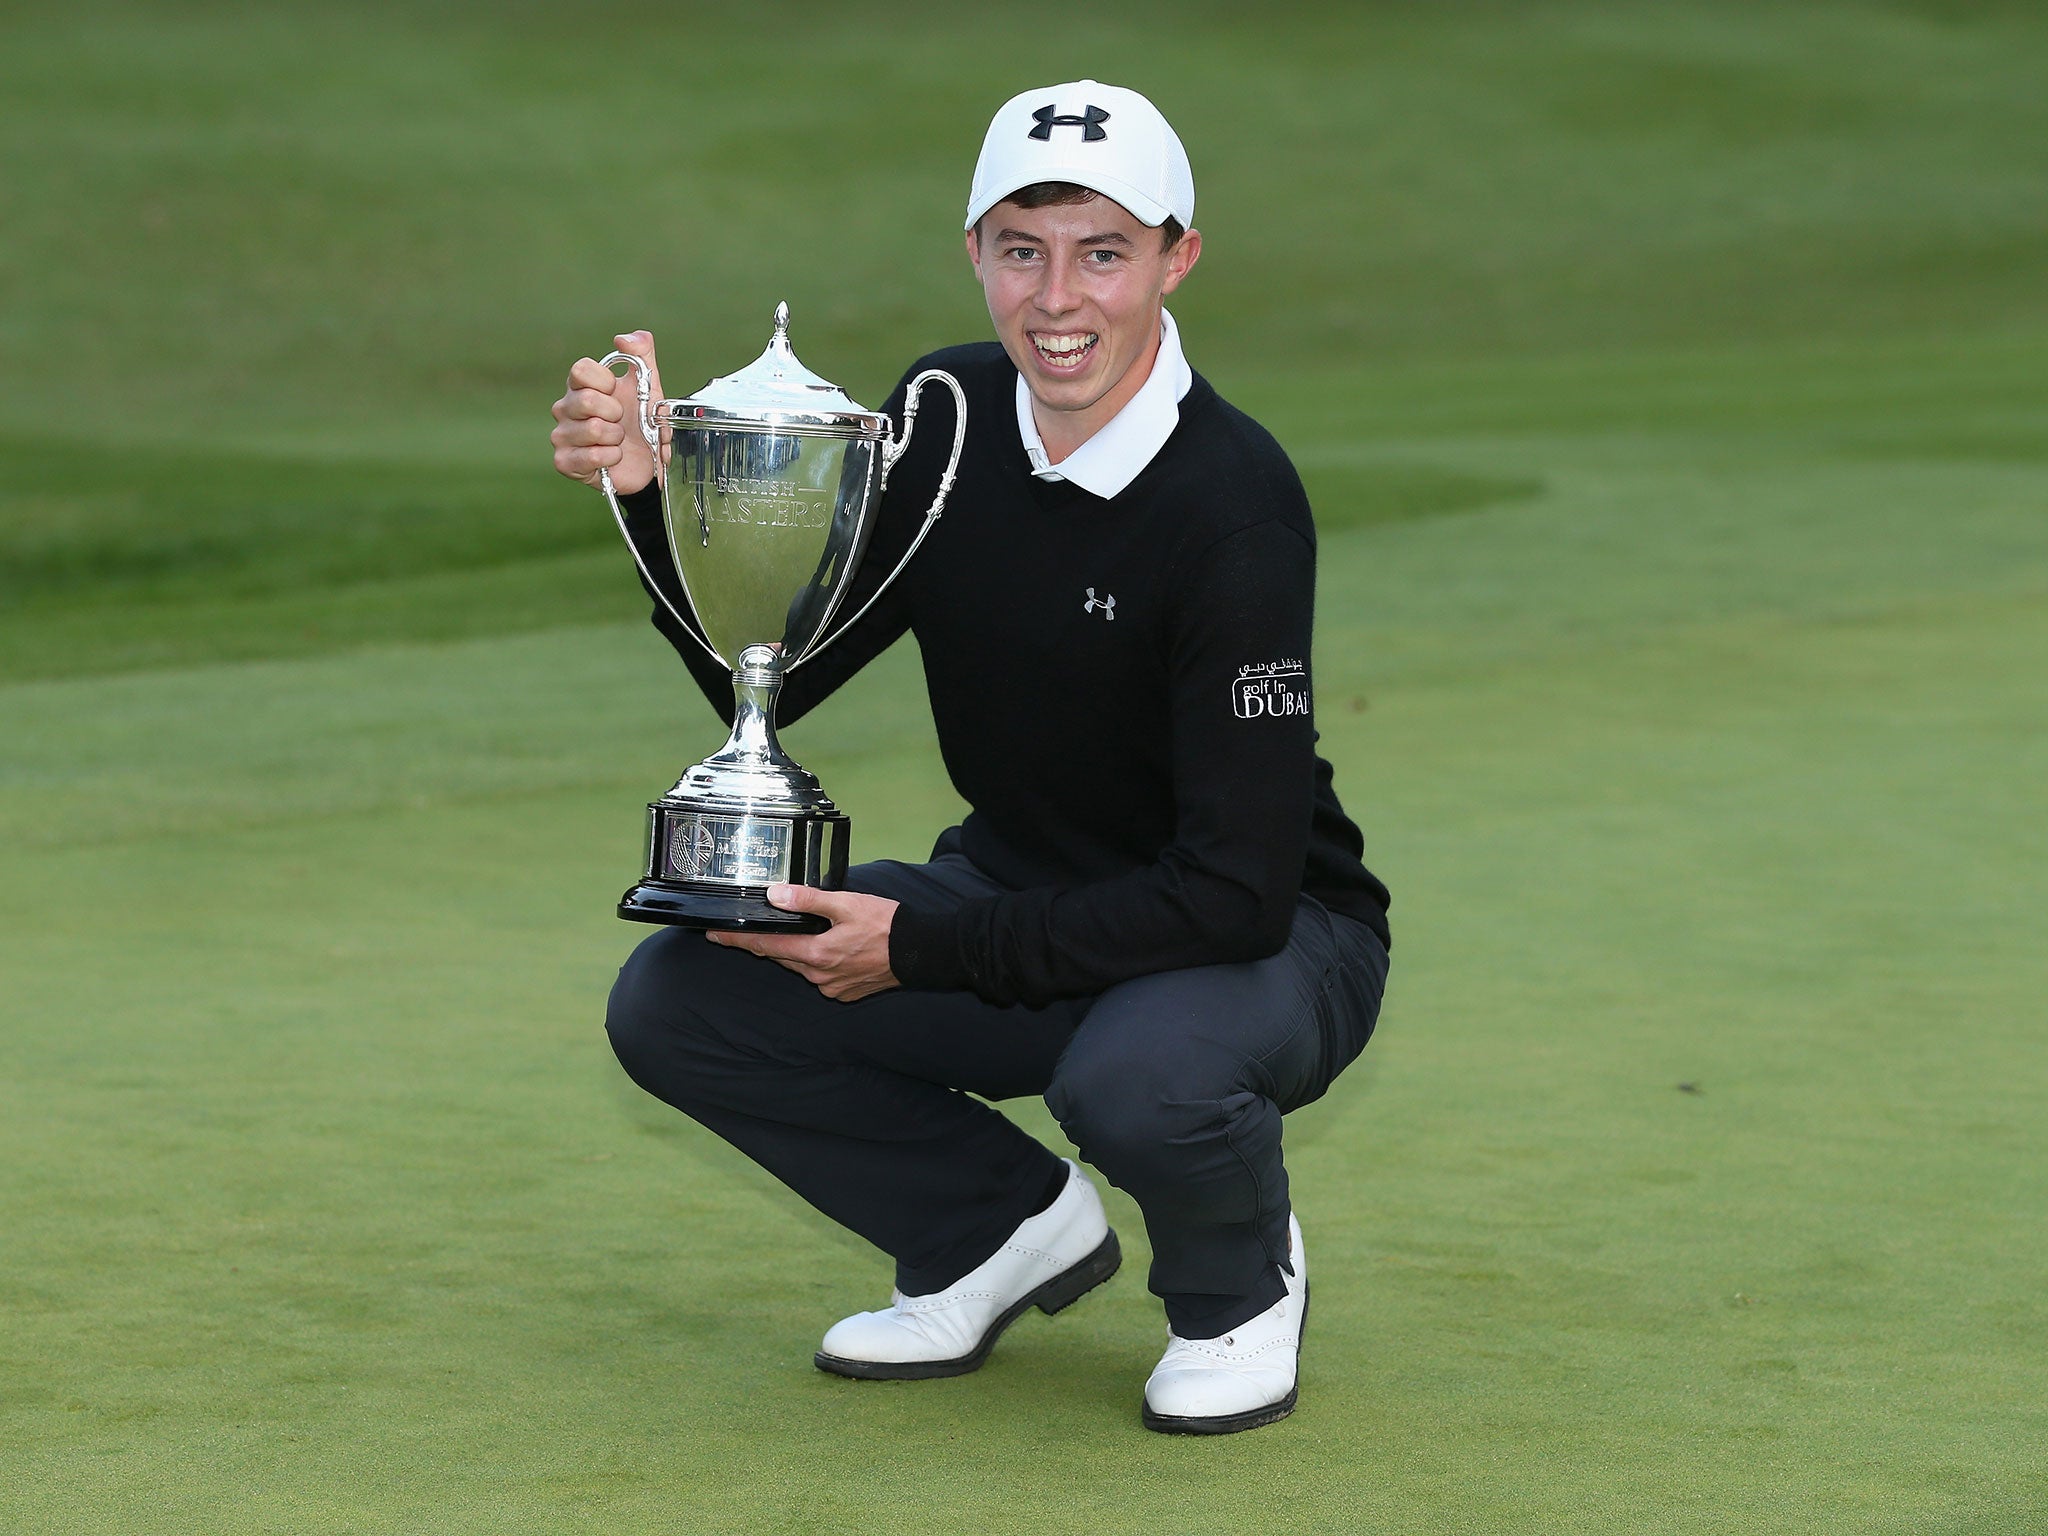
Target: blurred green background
x=1672 y=383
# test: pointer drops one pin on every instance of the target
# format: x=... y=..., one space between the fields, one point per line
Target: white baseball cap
x=1102 y=137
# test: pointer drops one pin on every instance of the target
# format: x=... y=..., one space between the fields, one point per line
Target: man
x=1155 y=914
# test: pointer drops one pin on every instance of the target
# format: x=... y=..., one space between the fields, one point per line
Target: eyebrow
x=1111 y=237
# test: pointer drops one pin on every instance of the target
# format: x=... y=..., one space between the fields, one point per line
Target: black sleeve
x=814 y=680
x=642 y=509
x=1243 y=766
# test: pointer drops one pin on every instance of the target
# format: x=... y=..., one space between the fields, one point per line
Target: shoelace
x=1174 y=1342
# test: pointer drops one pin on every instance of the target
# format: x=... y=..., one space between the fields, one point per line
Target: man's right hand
x=595 y=422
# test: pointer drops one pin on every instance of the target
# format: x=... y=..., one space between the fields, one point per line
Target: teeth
x=1064 y=348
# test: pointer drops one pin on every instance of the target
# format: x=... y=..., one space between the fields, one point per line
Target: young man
x=1154 y=915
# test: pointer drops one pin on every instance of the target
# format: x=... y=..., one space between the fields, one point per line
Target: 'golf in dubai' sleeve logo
x=1266 y=688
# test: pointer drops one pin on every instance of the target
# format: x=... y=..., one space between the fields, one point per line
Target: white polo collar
x=1114 y=456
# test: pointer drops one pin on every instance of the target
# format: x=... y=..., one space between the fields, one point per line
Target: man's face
x=1074 y=291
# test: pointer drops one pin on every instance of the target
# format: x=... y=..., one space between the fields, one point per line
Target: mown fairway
x=1673 y=383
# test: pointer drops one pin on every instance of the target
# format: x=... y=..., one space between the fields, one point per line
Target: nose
x=1057 y=294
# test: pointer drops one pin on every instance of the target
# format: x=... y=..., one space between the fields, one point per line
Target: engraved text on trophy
x=769 y=504
x=730 y=850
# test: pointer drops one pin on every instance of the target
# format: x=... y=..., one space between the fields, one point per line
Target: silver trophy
x=769 y=493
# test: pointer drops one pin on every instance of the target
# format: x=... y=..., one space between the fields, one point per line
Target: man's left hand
x=848 y=961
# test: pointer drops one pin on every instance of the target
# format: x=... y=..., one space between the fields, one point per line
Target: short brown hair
x=1058 y=194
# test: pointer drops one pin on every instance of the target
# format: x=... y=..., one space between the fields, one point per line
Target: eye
x=1022 y=253
x=1102 y=258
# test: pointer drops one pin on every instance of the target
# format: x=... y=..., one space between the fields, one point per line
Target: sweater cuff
x=642 y=504
x=924 y=952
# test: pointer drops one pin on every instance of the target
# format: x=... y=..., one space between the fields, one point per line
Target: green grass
x=1671 y=382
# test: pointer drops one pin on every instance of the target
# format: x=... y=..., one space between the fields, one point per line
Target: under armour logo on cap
x=1089 y=122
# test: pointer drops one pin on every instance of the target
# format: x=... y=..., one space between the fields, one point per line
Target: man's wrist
x=923 y=950
x=644 y=502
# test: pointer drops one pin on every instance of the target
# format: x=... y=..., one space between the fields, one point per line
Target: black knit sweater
x=1143 y=775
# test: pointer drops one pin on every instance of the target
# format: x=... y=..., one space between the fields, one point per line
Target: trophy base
x=729 y=910
x=712 y=869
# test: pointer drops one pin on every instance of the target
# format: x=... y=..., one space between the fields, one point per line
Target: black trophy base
x=729 y=910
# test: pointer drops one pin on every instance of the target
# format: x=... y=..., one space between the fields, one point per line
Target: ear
x=974 y=249
x=1180 y=261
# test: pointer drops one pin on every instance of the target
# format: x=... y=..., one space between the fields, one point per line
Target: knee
x=649 y=1007
x=1129 y=1114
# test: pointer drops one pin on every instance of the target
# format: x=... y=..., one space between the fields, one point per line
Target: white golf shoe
x=1049 y=1262
x=1245 y=1378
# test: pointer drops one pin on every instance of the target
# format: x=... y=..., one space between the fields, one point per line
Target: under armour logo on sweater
x=1089 y=122
x=1106 y=602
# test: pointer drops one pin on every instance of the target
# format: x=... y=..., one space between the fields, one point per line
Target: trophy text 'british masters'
x=769 y=494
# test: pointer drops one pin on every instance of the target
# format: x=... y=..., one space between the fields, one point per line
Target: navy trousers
x=1172 y=1085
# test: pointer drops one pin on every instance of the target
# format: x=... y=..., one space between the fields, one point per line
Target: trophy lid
x=777 y=393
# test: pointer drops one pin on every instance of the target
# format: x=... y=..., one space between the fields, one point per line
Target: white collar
x=1114 y=456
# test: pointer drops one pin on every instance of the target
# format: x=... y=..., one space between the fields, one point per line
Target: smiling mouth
x=1064 y=350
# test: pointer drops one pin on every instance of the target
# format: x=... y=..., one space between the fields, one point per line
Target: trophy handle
x=891 y=452
x=644 y=382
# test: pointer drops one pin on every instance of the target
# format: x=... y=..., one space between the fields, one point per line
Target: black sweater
x=1144 y=776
